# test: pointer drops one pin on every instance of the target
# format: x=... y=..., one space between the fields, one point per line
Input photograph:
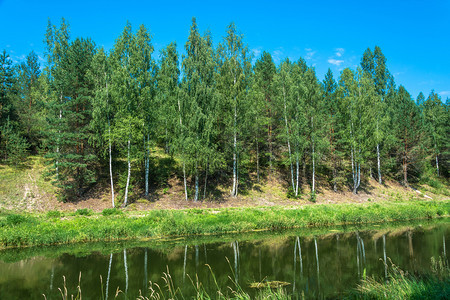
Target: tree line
x=95 y=113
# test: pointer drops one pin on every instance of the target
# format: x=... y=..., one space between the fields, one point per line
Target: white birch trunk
x=184 y=180
x=110 y=151
x=317 y=261
x=384 y=257
x=147 y=163
x=184 y=262
x=234 y=190
x=126 y=269
x=287 y=137
x=353 y=171
x=379 y=164
x=110 y=165
x=297 y=175
x=206 y=180
x=300 y=256
x=437 y=165
x=196 y=183
x=145 y=271
x=109 y=275
x=128 y=176
x=237 y=175
x=314 y=170
x=313 y=158
x=257 y=160
x=184 y=164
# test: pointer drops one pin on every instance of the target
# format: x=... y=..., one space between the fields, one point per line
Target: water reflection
x=317 y=266
x=109 y=275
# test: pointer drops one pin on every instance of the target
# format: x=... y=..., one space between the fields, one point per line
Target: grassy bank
x=401 y=285
x=59 y=228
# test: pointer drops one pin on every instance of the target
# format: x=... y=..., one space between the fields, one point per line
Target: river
x=316 y=263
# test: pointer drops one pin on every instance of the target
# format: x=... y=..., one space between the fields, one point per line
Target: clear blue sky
x=414 y=35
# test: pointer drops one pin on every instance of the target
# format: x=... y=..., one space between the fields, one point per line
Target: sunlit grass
x=401 y=285
x=86 y=226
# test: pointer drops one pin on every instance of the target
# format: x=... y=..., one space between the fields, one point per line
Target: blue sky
x=413 y=35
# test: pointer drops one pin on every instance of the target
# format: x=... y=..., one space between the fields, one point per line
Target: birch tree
x=128 y=123
x=314 y=111
x=198 y=106
x=103 y=111
x=233 y=83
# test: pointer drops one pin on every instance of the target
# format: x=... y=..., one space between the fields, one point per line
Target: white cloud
x=310 y=54
x=444 y=93
x=339 y=52
x=336 y=62
x=308 y=49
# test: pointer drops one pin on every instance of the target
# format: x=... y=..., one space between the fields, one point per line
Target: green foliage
x=111 y=212
x=15 y=219
x=21 y=230
x=13 y=147
x=83 y=212
x=54 y=214
x=313 y=197
x=401 y=285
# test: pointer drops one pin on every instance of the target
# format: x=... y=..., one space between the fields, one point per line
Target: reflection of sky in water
x=321 y=266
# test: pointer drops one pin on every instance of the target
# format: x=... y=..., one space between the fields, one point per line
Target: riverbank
x=55 y=227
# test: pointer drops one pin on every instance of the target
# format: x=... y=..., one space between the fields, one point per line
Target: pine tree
x=265 y=71
x=407 y=132
x=8 y=93
x=435 y=127
x=74 y=160
x=29 y=105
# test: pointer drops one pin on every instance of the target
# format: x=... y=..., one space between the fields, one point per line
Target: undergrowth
x=402 y=285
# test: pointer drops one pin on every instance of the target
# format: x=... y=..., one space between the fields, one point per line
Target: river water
x=316 y=263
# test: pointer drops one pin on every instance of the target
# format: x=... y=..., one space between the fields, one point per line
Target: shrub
x=83 y=212
x=14 y=219
x=111 y=212
x=54 y=214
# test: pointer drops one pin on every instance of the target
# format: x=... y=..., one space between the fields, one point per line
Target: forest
x=220 y=114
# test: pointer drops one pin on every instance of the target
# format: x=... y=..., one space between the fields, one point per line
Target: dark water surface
x=317 y=265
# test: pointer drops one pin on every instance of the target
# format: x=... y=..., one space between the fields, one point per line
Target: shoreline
x=57 y=228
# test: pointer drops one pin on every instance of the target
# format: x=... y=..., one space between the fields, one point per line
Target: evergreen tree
x=407 y=132
x=8 y=93
x=29 y=105
x=435 y=126
x=265 y=71
x=74 y=159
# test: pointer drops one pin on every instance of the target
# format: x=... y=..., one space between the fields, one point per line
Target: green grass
x=401 y=285
x=85 y=226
